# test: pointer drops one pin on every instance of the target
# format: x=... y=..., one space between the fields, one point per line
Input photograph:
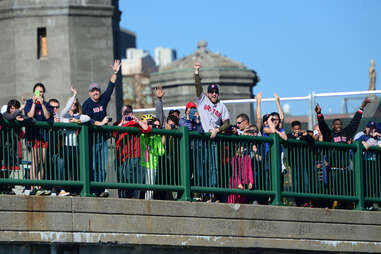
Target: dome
x=215 y=68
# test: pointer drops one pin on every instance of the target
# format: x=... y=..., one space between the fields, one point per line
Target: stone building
x=58 y=43
x=235 y=80
x=136 y=70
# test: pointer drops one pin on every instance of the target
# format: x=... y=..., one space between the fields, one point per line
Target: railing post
x=185 y=163
x=359 y=175
x=84 y=160
x=275 y=169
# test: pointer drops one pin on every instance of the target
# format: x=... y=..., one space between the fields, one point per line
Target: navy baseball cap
x=213 y=87
x=371 y=124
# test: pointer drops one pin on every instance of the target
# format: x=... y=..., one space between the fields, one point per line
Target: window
x=42 y=43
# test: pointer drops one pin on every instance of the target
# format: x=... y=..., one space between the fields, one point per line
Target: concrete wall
x=117 y=222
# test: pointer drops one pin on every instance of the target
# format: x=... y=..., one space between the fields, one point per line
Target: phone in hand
x=37 y=93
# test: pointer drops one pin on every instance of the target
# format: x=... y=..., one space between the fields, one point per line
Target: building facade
x=58 y=43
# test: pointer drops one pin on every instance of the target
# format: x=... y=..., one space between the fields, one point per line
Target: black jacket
x=345 y=134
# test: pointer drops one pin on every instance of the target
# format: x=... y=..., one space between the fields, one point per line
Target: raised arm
x=197 y=79
x=352 y=127
x=258 y=98
x=69 y=102
x=280 y=110
x=324 y=129
x=115 y=69
x=159 y=105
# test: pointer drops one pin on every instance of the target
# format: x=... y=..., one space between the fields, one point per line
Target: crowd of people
x=140 y=156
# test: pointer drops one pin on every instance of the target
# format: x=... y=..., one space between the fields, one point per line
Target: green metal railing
x=244 y=168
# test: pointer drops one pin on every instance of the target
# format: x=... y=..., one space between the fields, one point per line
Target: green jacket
x=151 y=148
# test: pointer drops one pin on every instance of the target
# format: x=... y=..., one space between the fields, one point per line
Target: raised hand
x=317 y=109
x=276 y=97
x=258 y=97
x=197 y=67
x=116 y=66
x=365 y=102
x=73 y=90
x=159 y=92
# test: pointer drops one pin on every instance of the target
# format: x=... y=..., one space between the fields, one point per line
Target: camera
x=192 y=114
x=110 y=119
x=173 y=126
x=128 y=118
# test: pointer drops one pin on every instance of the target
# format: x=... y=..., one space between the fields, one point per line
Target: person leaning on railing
x=152 y=147
x=72 y=113
x=95 y=107
x=40 y=110
x=338 y=134
x=128 y=152
x=11 y=142
x=214 y=117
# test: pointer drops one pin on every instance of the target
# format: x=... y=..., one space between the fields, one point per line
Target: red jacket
x=128 y=145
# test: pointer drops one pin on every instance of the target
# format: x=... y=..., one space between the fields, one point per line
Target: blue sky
x=295 y=46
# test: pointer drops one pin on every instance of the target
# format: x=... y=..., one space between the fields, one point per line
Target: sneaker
x=40 y=192
x=33 y=192
x=47 y=192
x=53 y=194
x=63 y=193
x=27 y=192
x=104 y=194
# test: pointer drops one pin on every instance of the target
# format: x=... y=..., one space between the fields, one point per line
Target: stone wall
x=117 y=222
x=80 y=47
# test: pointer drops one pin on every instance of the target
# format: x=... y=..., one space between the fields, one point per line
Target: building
x=136 y=71
x=127 y=40
x=235 y=80
x=59 y=43
x=164 y=56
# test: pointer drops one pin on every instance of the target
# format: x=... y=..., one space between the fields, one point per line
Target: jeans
x=130 y=172
x=58 y=167
x=98 y=157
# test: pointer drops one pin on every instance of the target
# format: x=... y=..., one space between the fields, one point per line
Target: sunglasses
x=214 y=92
x=55 y=106
x=156 y=126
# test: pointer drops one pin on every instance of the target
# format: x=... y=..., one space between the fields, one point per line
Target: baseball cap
x=371 y=124
x=94 y=86
x=191 y=105
x=213 y=87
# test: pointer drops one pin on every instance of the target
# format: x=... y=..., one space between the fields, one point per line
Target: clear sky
x=295 y=46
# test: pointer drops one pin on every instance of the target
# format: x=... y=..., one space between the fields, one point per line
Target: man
x=299 y=134
x=299 y=173
x=214 y=118
x=338 y=134
x=55 y=150
x=95 y=107
x=242 y=123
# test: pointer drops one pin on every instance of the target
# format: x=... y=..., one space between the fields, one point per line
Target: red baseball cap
x=191 y=105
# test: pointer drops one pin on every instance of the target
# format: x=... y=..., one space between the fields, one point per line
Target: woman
x=39 y=109
x=72 y=113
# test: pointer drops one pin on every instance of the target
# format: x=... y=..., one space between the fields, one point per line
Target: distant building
x=164 y=56
x=127 y=40
x=136 y=70
x=235 y=80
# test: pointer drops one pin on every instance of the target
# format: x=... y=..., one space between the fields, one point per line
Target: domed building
x=236 y=81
